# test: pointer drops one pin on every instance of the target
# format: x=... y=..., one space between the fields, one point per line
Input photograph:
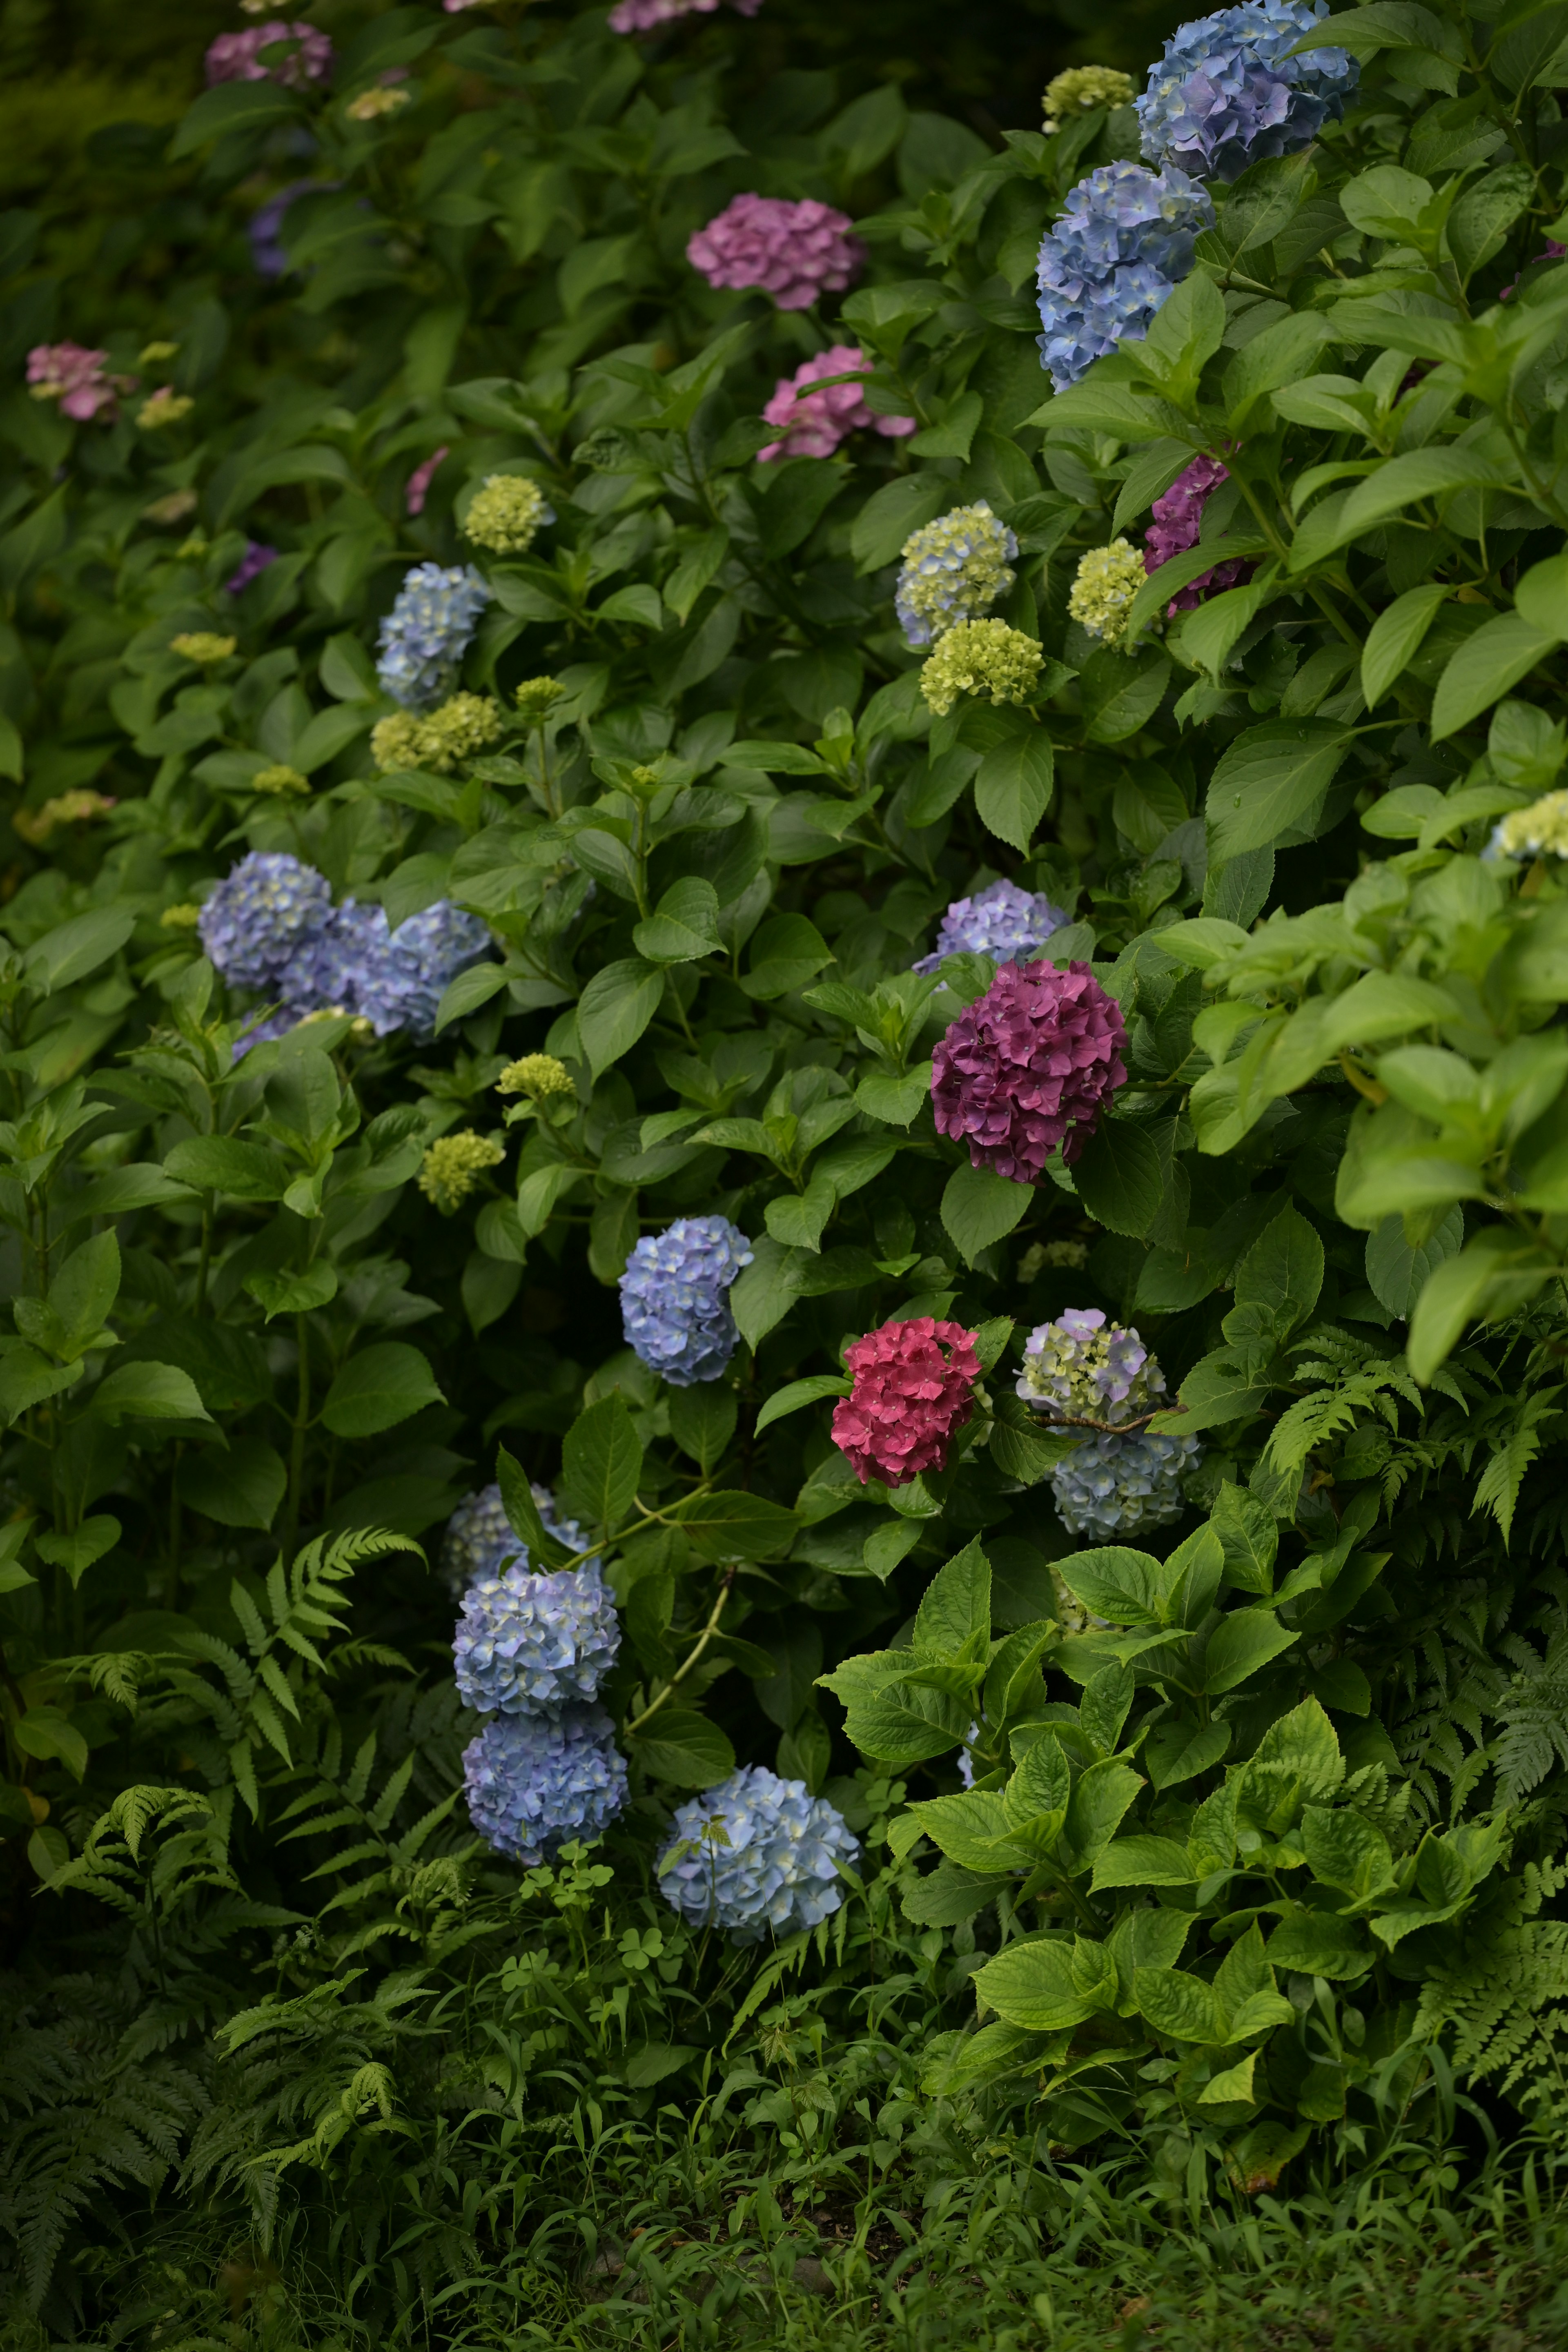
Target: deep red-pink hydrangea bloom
x=75 y=376
x=416 y=489
x=1178 y=521
x=816 y=422
x=789 y=251
x=1029 y=1066
x=647 y=16
x=909 y=1398
x=236 y=57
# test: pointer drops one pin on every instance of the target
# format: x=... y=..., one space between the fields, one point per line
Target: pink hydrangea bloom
x=817 y=422
x=75 y=377
x=647 y=16
x=909 y=1398
x=790 y=251
x=236 y=57
x=418 y=485
x=1178 y=522
x=1029 y=1066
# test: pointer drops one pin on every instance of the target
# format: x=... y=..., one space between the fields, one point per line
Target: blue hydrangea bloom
x=427 y=631
x=404 y=987
x=480 y=1540
x=527 y=1644
x=1125 y=240
x=333 y=969
x=1227 y=91
x=537 y=1781
x=1003 y=922
x=675 y=1295
x=258 y=919
x=762 y=1852
x=1119 y=1486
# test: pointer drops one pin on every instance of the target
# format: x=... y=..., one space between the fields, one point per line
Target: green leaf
x=702 y=1420
x=979 y=1207
x=683 y=926
x=1034 y=1985
x=1485 y=667
x=233 y=106
x=790 y=1398
x=239 y=1487
x=1249 y=1538
x=148 y=1391
x=81 y=1295
x=77 y=1553
x=222 y=1163
x=1142 y=1862
x=49 y=1733
x=1121 y=692
x=1118 y=1177
x=522 y=1514
x=1319 y=1944
x=1240 y=1646
x=73 y=949
x=615 y=1008
x=1114 y=1581
x=1542 y=597
x=1397 y=636
x=1396 y=1271
x=955 y=1613
x=467 y=990
x=1180 y=2006
x=682 y=1746
x=294 y=1294
x=1013 y=789
x=1283 y=1271
x=895 y=1101
x=736 y=1526
x=1271 y=783
x=1492 y=1275
x=601 y=1462
x=1100 y=1800
x=379 y=1387
x=786 y=953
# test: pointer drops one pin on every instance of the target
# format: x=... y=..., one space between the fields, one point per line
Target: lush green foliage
x=1262 y=1864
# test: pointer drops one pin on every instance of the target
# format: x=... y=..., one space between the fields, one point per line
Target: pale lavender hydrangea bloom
x=1119 y=1486
x=1227 y=91
x=535 y=1782
x=762 y=1852
x=792 y=251
x=675 y=1298
x=1080 y=1366
x=953 y=570
x=651 y=16
x=402 y=988
x=261 y=915
x=1002 y=922
x=428 y=631
x=528 y=1644
x=236 y=57
x=480 y=1541
x=1126 y=238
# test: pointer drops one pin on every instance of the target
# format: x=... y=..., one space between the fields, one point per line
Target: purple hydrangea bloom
x=674 y=1298
x=537 y=1781
x=270 y=255
x=480 y=1540
x=1227 y=91
x=761 y=1852
x=528 y=1644
x=334 y=969
x=238 y=56
x=1178 y=525
x=427 y=631
x=1119 y=1486
x=251 y=566
x=1030 y=1066
x=258 y=918
x=1002 y=922
x=404 y=987
x=1117 y=252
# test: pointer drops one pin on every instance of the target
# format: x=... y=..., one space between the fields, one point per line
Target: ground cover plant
x=785 y=1187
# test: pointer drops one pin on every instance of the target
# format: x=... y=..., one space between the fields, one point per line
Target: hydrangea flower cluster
x=272 y=925
x=792 y=251
x=651 y=16
x=1029 y=1066
x=269 y=255
x=1539 y=831
x=953 y=570
x=980 y=657
x=1119 y=1486
x=439 y=738
x=538 y=1076
x=1106 y=581
x=1227 y=91
x=675 y=1298
x=204 y=646
x=237 y=56
x=913 y=1389
x=1125 y=240
x=76 y=807
x=76 y=377
x=1178 y=525
x=256 y=560
x=756 y=1853
x=1081 y=1367
x=281 y=782
x=1003 y=922
x=417 y=489
x=163 y=406
x=427 y=631
x=480 y=1541
x=815 y=423
x=454 y=1165
x=528 y=1644
x=1081 y=88
x=536 y=1782
x=507 y=513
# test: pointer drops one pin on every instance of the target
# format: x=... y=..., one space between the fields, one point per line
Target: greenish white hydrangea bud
x=454 y=1165
x=1101 y=596
x=462 y=726
x=981 y=657
x=1082 y=88
x=1539 y=831
x=507 y=513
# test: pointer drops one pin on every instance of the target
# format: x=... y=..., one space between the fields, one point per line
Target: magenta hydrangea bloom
x=816 y=422
x=75 y=376
x=416 y=489
x=236 y=57
x=648 y=15
x=913 y=1391
x=1177 y=524
x=790 y=251
x=1030 y=1066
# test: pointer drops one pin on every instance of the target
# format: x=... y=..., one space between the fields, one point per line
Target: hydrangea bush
x=856 y=999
